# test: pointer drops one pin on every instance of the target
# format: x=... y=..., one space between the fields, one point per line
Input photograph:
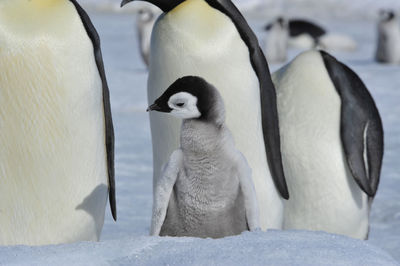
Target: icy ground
x=125 y=242
x=272 y=248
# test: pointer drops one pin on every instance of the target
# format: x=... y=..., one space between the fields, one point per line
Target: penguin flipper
x=163 y=190
x=269 y=111
x=361 y=125
x=109 y=141
x=249 y=192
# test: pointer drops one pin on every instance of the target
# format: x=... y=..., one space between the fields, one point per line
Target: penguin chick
x=388 y=48
x=205 y=190
x=277 y=41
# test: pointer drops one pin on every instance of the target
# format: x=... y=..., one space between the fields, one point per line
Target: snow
x=126 y=242
x=255 y=248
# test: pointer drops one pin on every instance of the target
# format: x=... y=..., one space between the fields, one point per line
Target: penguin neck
x=201 y=138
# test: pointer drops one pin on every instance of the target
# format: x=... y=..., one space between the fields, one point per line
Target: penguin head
x=280 y=22
x=164 y=5
x=191 y=97
x=386 y=15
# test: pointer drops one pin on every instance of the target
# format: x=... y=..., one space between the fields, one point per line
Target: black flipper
x=109 y=141
x=300 y=26
x=269 y=110
x=361 y=126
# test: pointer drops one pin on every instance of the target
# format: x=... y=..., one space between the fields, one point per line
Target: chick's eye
x=180 y=104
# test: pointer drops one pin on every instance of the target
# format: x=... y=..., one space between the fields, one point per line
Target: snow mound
x=256 y=248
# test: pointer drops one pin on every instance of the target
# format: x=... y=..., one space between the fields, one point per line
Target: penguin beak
x=153 y=107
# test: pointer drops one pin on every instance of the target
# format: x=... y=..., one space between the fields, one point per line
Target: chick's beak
x=153 y=107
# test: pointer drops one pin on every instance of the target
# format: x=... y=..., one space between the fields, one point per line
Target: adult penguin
x=276 y=43
x=388 y=48
x=211 y=39
x=146 y=18
x=57 y=140
x=332 y=145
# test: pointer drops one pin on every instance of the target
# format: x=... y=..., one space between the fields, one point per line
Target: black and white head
x=386 y=15
x=278 y=23
x=191 y=97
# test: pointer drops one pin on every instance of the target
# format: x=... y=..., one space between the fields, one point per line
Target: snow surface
x=256 y=248
x=126 y=241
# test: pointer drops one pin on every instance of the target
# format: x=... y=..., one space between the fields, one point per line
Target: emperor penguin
x=276 y=43
x=332 y=145
x=205 y=189
x=211 y=39
x=305 y=34
x=388 y=44
x=145 y=20
x=57 y=140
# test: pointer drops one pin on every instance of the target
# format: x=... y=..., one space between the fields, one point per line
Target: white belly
x=323 y=193
x=204 y=42
x=53 y=180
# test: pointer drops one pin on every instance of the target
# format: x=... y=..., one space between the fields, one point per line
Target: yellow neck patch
x=197 y=17
x=13 y=9
x=192 y=7
x=33 y=15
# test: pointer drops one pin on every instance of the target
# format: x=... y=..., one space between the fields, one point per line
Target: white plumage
x=53 y=170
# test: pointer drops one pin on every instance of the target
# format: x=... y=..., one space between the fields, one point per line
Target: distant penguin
x=146 y=18
x=205 y=190
x=388 y=46
x=332 y=145
x=57 y=140
x=276 y=43
x=305 y=34
x=211 y=39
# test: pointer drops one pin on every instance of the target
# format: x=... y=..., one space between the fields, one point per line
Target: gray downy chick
x=205 y=190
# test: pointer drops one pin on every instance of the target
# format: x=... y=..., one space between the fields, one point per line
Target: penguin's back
x=320 y=183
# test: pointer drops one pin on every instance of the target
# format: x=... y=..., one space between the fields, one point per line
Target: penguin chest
x=207 y=202
x=320 y=184
x=53 y=181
